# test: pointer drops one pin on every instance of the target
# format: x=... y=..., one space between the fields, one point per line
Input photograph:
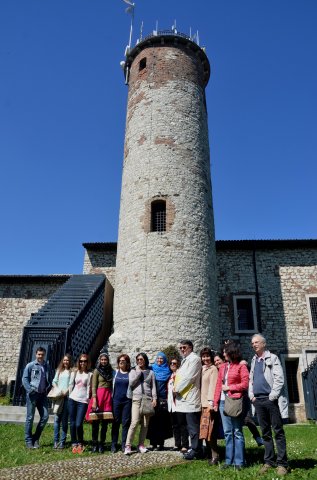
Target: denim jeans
x=77 y=412
x=122 y=414
x=269 y=416
x=232 y=427
x=35 y=400
x=61 y=419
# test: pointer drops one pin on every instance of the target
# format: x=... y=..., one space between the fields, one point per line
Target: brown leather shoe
x=264 y=469
x=281 y=470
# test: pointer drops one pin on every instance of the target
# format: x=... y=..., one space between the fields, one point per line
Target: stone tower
x=165 y=286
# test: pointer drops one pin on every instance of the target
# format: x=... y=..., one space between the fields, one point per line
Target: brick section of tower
x=166 y=282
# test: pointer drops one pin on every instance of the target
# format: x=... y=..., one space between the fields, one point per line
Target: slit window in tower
x=142 y=64
x=158 y=216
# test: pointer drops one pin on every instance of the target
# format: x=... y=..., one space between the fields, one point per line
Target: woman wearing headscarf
x=160 y=427
x=101 y=400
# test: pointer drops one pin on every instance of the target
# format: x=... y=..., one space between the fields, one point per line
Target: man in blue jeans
x=265 y=387
x=36 y=383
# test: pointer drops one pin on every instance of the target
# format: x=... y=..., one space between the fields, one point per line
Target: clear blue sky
x=62 y=120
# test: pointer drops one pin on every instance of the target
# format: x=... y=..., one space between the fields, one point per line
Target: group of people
x=187 y=399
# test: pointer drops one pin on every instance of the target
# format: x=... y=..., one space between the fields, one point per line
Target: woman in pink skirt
x=101 y=400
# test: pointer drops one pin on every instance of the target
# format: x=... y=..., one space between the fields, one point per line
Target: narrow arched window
x=158 y=216
x=142 y=64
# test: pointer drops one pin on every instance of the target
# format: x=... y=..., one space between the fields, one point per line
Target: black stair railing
x=69 y=322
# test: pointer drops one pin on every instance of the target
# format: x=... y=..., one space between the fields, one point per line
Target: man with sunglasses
x=187 y=396
x=36 y=383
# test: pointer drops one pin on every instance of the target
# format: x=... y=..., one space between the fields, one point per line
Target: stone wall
x=101 y=258
x=280 y=279
x=19 y=297
x=165 y=281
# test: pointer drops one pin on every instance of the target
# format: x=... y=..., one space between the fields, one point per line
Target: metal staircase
x=70 y=322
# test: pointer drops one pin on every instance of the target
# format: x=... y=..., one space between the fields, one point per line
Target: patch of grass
x=302 y=453
x=5 y=400
x=301 y=444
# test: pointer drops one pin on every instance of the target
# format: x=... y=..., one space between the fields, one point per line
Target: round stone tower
x=165 y=287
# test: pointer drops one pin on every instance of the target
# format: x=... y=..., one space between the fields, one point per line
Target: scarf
x=107 y=371
x=162 y=372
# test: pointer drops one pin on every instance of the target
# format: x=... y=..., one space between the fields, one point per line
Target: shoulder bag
x=146 y=407
x=233 y=406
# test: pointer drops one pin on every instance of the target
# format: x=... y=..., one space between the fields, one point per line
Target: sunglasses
x=183 y=347
x=83 y=361
x=173 y=363
x=140 y=360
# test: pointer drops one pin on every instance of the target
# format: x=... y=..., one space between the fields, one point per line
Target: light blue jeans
x=35 y=400
x=61 y=419
x=232 y=427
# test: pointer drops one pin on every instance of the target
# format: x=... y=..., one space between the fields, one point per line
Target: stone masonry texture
x=17 y=302
x=166 y=282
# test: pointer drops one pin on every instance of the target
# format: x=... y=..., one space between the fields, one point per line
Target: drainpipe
x=257 y=297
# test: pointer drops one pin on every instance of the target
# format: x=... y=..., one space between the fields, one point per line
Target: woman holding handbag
x=61 y=382
x=142 y=385
x=232 y=385
x=209 y=420
x=101 y=400
x=79 y=387
x=160 y=427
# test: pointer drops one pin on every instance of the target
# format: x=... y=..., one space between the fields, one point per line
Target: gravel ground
x=94 y=467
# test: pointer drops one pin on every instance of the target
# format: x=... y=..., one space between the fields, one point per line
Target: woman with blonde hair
x=61 y=381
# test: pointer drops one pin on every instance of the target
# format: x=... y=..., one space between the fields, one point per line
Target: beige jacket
x=187 y=385
x=208 y=384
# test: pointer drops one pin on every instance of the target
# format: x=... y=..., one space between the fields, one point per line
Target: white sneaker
x=142 y=449
x=127 y=450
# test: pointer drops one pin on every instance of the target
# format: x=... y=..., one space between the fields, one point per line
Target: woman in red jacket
x=233 y=380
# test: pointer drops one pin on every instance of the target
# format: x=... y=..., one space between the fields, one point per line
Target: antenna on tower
x=156 y=28
x=130 y=10
x=141 y=31
x=174 y=27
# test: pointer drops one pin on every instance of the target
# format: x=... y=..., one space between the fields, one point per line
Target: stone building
x=168 y=278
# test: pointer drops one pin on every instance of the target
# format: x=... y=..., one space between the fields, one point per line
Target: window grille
x=158 y=216
x=313 y=310
x=291 y=368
